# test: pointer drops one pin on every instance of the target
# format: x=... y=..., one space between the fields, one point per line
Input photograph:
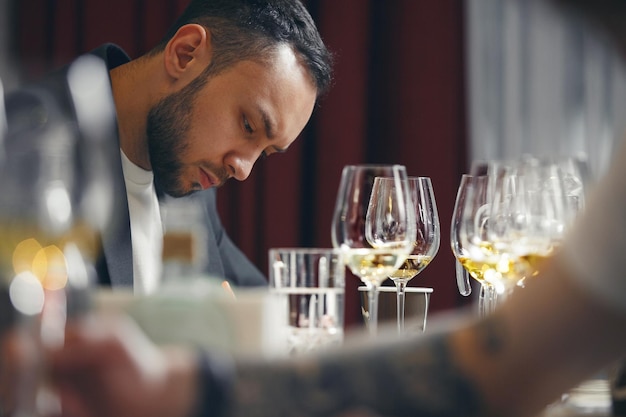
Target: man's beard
x=166 y=129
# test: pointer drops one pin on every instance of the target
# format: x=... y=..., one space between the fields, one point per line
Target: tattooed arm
x=542 y=342
x=399 y=379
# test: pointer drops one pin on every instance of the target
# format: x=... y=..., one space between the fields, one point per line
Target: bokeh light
x=24 y=254
x=47 y=264
x=26 y=293
x=50 y=267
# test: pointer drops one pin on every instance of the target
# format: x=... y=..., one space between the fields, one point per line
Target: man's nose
x=240 y=167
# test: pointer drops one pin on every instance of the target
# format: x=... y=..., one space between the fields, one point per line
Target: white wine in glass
x=468 y=237
x=371 y=255
x=426 y=220
x=530 y=212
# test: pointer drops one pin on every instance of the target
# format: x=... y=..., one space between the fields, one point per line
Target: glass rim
x=374 y=166
x=302 y=250
x=409 y=178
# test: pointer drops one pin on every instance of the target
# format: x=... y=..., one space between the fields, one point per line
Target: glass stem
x=400 y=287
x=488 y=299
x=493 y=298
x=483 y=300
x=372 y=295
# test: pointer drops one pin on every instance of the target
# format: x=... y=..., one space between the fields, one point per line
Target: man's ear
x=188 y=52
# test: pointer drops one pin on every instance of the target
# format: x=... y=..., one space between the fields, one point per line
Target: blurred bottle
x=184 y=240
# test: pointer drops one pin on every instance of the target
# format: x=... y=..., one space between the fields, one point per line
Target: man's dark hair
x=250 y=29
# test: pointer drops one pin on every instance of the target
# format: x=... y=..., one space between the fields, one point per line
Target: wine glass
x=372 y=255
x=469 y=238
x=426 y=217
x=535 y=200
x=487 y=297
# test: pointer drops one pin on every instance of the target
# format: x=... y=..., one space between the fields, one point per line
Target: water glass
x=309 y=285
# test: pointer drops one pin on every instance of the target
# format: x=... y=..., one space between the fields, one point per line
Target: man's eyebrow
x=268 y=124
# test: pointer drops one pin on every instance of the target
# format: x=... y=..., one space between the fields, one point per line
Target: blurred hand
x=108 y=368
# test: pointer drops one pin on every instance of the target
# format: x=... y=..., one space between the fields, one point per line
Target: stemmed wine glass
x=372 y=254
x=533 y=204
x=469 y=238
x=426 y=244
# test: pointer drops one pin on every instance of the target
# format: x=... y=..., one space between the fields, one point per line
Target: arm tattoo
x=417 y=377
x=491 y=335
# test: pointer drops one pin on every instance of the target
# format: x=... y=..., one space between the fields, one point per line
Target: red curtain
x=398 y=97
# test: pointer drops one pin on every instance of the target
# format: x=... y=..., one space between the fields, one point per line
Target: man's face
x=200 y=137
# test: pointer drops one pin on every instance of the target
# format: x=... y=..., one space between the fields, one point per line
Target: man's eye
x=246 y=125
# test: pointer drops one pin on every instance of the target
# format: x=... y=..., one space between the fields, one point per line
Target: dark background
x=398 y=97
